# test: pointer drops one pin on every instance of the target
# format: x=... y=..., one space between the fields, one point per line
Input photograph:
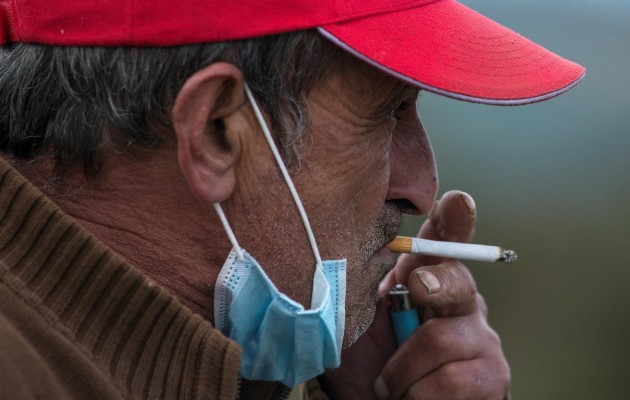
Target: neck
x=142 y=208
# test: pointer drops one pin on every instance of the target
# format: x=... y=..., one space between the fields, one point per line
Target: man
x=144 y=200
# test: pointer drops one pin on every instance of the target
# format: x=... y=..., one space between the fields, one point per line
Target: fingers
x=447 y=359
x=452 y=218
x=471 y=379
x=455 y=356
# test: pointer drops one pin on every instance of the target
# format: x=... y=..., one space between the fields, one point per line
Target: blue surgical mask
x=281 y=340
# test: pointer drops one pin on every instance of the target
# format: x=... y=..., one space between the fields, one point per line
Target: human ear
x=206 y=149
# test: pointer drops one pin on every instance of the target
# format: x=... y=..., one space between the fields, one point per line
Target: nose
x=413 y=180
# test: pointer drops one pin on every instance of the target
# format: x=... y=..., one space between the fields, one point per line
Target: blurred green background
x=552 y=181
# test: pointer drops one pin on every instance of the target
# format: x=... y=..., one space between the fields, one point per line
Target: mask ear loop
x=229 y=231
x=285 y=174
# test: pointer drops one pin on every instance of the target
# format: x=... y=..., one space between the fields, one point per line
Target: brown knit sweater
x=77 y=321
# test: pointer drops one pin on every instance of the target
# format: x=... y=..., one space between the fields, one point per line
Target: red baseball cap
x=436 y=45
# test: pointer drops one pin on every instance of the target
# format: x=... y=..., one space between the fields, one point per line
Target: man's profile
x=196 y=198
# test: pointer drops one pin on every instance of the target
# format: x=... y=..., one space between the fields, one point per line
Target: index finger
x=452 y=218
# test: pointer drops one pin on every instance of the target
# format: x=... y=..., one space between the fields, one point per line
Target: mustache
x=384 y=227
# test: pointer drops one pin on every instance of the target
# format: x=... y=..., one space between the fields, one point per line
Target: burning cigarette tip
x=508 y=257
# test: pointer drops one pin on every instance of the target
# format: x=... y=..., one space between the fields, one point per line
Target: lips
x=384 y=229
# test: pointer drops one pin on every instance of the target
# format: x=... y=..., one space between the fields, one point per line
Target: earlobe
x=207 y=154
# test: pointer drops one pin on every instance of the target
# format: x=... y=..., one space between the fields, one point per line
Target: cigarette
x=464 y=251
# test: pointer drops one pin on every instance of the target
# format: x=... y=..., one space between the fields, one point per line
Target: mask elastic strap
x=229 y=231
x=285 y=174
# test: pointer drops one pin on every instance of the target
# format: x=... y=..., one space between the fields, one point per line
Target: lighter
x=404 y=317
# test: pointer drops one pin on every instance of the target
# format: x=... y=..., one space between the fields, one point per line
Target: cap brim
x=447 y=48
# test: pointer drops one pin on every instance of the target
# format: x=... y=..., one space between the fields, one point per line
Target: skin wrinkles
x=354 y=128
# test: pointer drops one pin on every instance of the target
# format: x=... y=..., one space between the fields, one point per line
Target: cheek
x=370 y=172
x=357 y=163
x=348 y=178
x=364 y=201
x=351 y=189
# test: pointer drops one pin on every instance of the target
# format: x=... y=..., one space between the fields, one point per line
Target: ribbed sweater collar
x=142 y=337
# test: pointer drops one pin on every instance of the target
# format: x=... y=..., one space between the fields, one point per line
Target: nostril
x=406 y=206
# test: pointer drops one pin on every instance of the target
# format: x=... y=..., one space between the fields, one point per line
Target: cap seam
x=531 y=59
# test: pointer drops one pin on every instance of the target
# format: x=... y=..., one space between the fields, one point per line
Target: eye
x=399 y=111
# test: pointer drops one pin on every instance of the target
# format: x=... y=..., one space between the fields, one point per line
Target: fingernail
x=430 y=281
x=470 y=203
x=380 y=389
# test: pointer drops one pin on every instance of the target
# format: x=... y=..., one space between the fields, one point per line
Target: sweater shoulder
x=24 y=373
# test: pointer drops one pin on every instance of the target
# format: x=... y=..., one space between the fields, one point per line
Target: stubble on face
x=371 y=267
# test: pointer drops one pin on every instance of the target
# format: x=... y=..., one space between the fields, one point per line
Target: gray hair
x=71 y=102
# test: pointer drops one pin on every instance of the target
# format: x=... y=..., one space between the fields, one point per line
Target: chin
x=362 y=295
x=355 y=327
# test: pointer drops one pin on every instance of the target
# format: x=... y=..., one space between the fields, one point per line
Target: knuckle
x=506 y=378
x=459 y=284
x=482 y=305
x=494 y=338
x=505 y=375
x=438 y=338
x=492 y=342
x=501 y=384
x=452 y=383
x=466 y=381
x=498 y=375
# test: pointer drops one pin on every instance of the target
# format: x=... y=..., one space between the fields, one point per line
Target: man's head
x=367 y=161
x=341 y=101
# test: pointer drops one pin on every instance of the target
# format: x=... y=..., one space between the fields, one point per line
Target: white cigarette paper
x=464 y=251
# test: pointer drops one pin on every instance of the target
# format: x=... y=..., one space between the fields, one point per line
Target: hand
x=454 y=354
